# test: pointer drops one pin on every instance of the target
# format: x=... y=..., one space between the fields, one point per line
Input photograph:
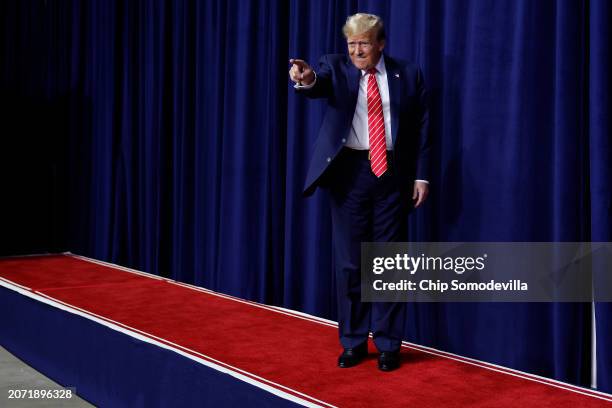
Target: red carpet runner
x=282 y=349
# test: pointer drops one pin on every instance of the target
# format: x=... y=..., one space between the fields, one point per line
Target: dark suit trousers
x=364 y=208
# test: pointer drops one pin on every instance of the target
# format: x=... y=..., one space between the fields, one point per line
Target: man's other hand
x=421 y=190
x=301 y=73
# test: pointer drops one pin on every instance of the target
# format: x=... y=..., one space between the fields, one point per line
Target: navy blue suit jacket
x=338 y=82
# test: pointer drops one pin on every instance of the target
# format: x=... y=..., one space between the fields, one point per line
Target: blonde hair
x=362 y=23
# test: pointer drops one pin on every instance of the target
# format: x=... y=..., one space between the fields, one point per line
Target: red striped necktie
x=376 y=127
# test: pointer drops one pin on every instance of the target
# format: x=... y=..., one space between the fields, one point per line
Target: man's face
x=364 y=49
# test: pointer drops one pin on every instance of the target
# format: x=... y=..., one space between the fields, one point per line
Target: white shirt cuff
x=423 y=181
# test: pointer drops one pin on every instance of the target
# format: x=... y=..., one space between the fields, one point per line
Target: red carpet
x=280 y=348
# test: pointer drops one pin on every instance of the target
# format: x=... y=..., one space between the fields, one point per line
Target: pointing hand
x=301 y=73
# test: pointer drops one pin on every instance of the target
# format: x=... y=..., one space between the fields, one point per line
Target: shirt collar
x=380 y=66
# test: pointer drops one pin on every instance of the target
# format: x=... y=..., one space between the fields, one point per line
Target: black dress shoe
x=352 y=356
x=388 y=360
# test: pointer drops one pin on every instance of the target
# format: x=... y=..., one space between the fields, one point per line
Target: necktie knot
x=372 y=71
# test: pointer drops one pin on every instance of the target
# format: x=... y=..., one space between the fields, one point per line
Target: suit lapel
x=354 y=75
x=394 y=81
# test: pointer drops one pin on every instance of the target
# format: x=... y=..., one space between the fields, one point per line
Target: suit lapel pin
x=397 y=75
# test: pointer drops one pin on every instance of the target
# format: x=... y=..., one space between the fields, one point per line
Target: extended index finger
x=300 y=63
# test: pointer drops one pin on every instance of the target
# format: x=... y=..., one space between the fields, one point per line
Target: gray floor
x=16 y=375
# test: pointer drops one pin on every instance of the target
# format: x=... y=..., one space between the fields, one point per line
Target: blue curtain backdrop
x=164 y=135
x=600 y=166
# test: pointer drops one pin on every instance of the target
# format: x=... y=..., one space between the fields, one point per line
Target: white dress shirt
x=359 y=136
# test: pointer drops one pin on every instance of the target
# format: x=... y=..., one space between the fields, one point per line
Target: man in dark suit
x=371 y=155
